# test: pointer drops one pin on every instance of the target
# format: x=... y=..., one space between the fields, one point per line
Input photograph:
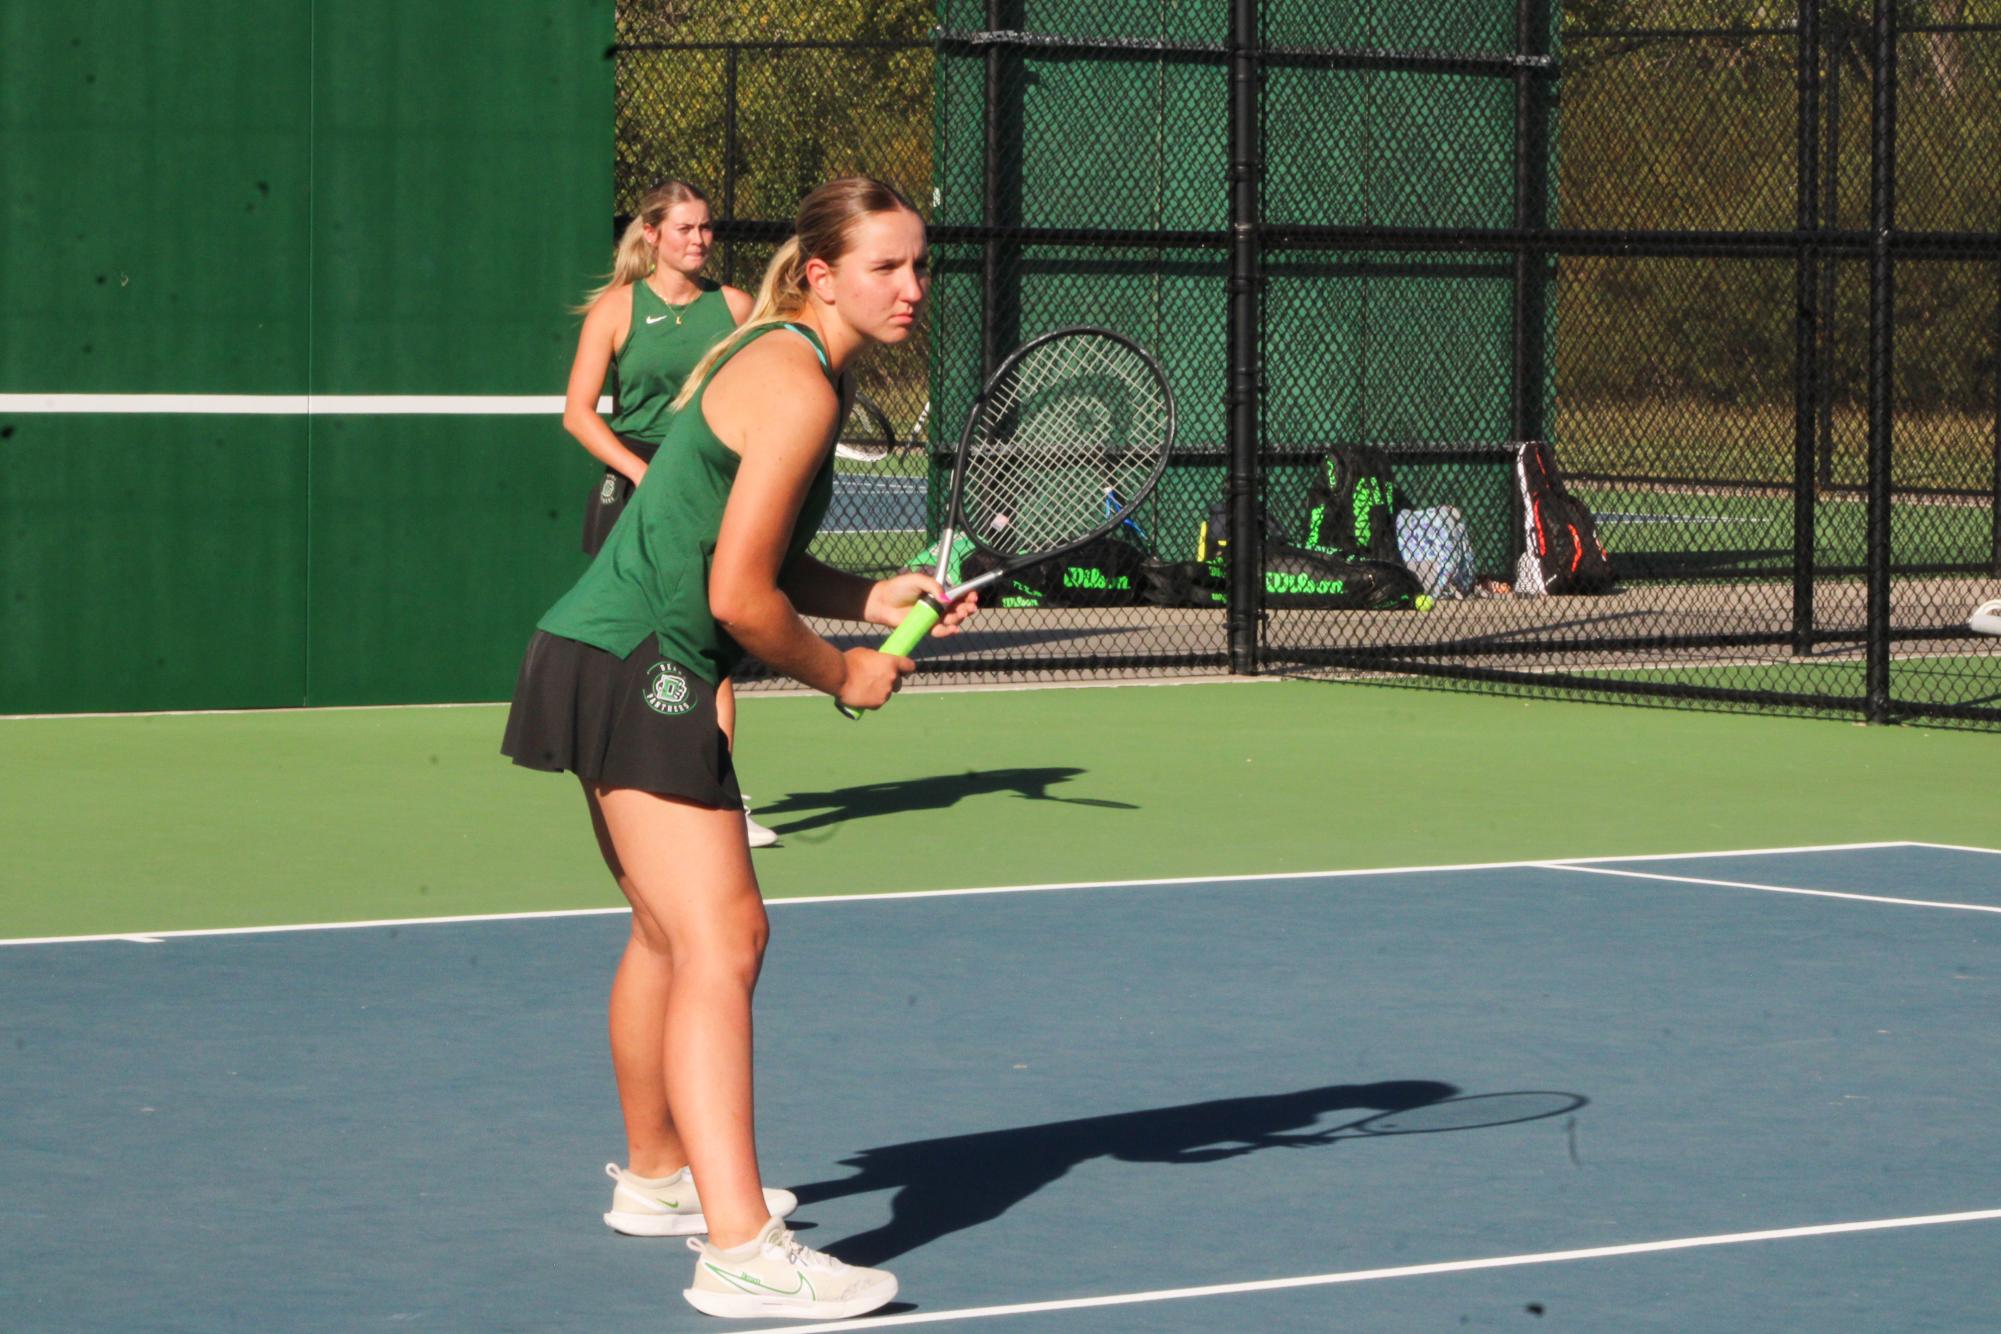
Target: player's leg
x=638 y=1026
x=726 y=709
x=689 y=872
x=758 y=835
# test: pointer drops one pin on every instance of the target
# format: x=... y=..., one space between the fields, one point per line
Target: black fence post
x=1882 y=309
x=1531 y=171
x=1830 y=216
x=1000 y=187
x=1806 y=367
x=1994 y=481
x=729 y=158
x=1246 y=589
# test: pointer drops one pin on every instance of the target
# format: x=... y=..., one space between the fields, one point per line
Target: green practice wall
x=255 y=197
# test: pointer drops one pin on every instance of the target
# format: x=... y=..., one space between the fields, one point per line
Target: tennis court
x=1278 y=1052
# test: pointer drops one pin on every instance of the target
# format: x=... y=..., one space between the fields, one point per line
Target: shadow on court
x=960 y=1181
x=921 y=794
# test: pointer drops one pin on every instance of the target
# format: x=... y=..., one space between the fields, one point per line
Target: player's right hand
x=871 y=677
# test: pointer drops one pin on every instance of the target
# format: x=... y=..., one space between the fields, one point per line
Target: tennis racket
x=1069 y=436
x=866 y=436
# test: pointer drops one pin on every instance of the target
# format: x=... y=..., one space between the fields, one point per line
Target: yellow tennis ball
x=1423 y=602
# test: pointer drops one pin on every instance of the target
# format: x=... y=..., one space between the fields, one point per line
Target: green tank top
x=652 y=577
x=660 y=350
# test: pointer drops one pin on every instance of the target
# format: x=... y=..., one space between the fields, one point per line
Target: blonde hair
x=633 y=257
x=824 y=230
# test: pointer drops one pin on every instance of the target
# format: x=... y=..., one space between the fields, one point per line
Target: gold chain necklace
x=672 y=309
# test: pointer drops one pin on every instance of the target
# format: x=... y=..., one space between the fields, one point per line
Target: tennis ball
x=1423 y=602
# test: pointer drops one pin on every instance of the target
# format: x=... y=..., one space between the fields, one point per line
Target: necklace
x=674 y=310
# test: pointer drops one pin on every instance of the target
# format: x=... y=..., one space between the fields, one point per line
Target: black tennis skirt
x=601 y=511
x=642 y=721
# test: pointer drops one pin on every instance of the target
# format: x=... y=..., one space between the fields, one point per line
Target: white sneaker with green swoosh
x=668 y=1206
x=773 y=1274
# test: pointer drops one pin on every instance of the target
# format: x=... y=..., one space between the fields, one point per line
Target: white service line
x=1399 y=1271
x=1958 y=847
x=900 y=895
x=1774 y=889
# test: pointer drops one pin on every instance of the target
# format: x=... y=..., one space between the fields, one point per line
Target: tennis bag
x=1294 y=577
x=1561 y=546
x=1104 y=572
x=969 y=562
x=1309 y=578
x=1352 y=505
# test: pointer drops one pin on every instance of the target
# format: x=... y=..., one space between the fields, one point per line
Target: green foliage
x=1699 y=133
x=803 y=115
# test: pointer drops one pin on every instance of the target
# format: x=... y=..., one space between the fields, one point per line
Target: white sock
x=654 y=1183
x=748 y=1249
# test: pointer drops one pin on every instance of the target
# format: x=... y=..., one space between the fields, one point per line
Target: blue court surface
x=1698 y=1093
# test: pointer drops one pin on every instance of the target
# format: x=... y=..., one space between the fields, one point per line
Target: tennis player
x=644 y=330
x=618 y=686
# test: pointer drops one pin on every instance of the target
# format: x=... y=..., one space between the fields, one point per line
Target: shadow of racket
x=1476 y=1111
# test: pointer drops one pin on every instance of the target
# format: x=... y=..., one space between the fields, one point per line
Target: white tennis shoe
x=1986 y=618
x=668 y=1206
x=760 y=837
x=775 y=1275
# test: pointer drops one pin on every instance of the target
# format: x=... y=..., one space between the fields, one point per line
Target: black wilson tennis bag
x=1301 y=577
x=1352 y=505
x=1026 y=587
x=1561 y=537
x=1183 y=583
x=1104 y=572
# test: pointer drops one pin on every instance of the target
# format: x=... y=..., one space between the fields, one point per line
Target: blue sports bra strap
x=807 y=334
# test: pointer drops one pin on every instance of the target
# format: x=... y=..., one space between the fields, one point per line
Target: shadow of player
x=947 y=1185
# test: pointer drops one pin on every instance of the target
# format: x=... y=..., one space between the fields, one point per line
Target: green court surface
x=1952 y=678
x=151 y=823
x=1696 y=519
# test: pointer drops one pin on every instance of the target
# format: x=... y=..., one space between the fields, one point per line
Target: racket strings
x=1074 y=430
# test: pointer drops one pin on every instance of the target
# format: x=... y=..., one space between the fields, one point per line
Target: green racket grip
x=909 y=633
x=917 y=623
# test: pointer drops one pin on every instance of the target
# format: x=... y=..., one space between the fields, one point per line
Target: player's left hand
x=891 y=598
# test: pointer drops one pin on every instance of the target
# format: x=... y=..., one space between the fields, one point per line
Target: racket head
x=1475 y=1111
x=1069 y=435
x=866 y=435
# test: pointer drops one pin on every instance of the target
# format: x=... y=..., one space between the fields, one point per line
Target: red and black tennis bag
x=1560 y=535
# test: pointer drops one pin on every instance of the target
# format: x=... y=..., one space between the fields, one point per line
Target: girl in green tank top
x=644 y=330
x=649 y=324
x=710 y=561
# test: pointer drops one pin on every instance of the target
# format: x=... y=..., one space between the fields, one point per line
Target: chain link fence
x=1739 y=268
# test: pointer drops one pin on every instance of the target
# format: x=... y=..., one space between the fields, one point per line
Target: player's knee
x=649 y=938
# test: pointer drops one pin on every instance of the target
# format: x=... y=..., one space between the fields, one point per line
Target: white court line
x=297 y=405
x=898 y=896
x=1959 y=847
x=1399 y=1271
x=1774 y=889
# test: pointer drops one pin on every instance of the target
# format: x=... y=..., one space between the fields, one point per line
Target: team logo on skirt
x=667 y=690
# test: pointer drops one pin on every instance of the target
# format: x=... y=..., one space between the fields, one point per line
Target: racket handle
x=925 y=613
x=909 y=633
